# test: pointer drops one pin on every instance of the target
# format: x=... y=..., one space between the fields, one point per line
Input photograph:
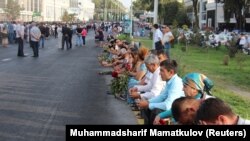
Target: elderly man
x=35 y=35
x=20 y=38
x=172 y=91
x=155 y=84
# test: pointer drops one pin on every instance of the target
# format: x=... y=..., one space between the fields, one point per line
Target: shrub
x=125 y=37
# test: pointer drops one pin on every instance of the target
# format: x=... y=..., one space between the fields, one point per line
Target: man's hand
x=157 y=120
x=143 y=104
x=135 y=95
x=133 y=90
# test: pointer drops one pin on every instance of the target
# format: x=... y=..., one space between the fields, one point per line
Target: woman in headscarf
x=195 y=85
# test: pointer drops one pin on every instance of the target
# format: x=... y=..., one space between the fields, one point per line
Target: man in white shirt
x=35 y=35
x=157 y=38
x=20 y=38
x=154 y=86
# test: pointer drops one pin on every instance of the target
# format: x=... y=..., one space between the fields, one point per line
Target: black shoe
x=21 y=55
x=34 y=56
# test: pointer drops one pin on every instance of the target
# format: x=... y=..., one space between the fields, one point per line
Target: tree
x=237 y=8
x=12 y=9
x=66 y=17
x=195 y=6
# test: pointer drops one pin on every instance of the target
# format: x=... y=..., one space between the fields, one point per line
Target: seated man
x=184 y=110
x=214 y=111
x=154 y=86
x=195 y=85
x=172 y=91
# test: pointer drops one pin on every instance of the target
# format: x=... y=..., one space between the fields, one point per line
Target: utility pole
x=156 y=2
x=215 y=19
x=105 y=10
x=201 y=8
x=131 y=19
x=155 y=18
x=54 y=10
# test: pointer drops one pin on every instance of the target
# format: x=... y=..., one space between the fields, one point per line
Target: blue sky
x=126 y=3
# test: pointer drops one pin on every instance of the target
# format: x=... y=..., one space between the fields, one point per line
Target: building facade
x=50 y=10
x=212 y=14
x=84 y=10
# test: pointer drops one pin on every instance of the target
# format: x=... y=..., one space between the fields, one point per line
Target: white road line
x=6 y=59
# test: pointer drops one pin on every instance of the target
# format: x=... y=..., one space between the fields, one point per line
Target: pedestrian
x=65 y=37
x=35 y=35
x=84 y=34
x=20 y=38
x=70 y=33
x=78 y=36
x=4 y=34
x=43 y=36
x=56 y=33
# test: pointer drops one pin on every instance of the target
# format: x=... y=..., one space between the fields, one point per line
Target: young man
x=184 y=110
x=195 y=85
x=214 y=111
x=172 y=91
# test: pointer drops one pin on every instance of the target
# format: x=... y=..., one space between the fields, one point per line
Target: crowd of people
x=153 y=86
x=156 y=90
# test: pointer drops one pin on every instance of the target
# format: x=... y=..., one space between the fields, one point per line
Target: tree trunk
x=196 y=25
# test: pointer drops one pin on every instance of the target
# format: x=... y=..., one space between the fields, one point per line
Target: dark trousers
x=56 y=34
x=35 y=46
x=149 y=115
x=65 y=39
x=70 y=41
x=83 y=40
x=20 y=47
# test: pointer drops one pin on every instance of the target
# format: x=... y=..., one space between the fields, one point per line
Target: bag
x=159 y=45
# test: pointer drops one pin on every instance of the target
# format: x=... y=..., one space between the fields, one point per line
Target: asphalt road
x=39 y=96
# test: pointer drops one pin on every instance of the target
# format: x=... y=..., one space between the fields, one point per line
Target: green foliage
x=125 y=37
x=185 y=27
x=235 y=7
x=119 y=85
x=13 y=9
x=224 y=77
x=110 y=4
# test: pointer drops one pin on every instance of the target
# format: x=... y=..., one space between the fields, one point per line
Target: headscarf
x=198 y=81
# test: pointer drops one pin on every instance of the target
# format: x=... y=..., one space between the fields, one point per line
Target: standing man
x=65 y=36
x=157 y=37
x=35 y=35
x=20 y=38
x=43 y=32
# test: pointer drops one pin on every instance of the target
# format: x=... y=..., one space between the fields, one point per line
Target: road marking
x=6 y=59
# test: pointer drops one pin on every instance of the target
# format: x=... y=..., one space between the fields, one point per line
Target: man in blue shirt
x=172 y=91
